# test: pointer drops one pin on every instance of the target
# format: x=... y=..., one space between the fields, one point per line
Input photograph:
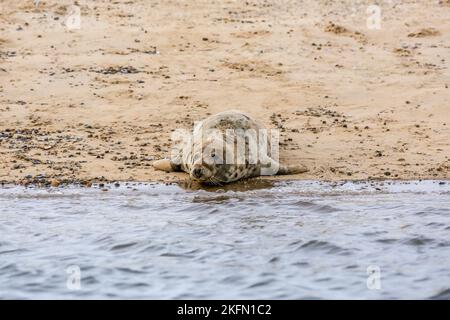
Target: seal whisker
x=214 y=182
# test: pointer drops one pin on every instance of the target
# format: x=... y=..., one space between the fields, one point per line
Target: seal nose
x=197 y=172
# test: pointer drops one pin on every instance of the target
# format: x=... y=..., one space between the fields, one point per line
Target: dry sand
x=99 y=103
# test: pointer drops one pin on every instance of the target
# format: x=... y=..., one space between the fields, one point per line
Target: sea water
x=290 y=240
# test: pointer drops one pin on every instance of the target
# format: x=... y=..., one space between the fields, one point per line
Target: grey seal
x=224 y=148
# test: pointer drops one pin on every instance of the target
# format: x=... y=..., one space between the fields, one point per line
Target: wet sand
x=99 y=103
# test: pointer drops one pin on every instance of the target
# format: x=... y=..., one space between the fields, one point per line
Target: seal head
x=208 y=161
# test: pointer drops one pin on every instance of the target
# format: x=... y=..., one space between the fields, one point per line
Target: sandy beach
x=99 y=102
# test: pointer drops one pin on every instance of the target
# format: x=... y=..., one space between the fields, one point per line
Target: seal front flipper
x=273 y=167
x=166 y=165
x=291 y=169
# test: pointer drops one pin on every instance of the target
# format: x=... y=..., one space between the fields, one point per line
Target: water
x=289 y=241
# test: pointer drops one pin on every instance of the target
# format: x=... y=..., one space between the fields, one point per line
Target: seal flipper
x=276 y=168
x=291 y=169
x=166 y=165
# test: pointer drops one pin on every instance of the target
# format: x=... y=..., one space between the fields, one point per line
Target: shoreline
x=241 y=184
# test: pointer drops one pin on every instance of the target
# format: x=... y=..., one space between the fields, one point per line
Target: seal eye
x=213 y=154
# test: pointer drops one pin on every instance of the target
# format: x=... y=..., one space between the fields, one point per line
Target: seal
x=224 y=148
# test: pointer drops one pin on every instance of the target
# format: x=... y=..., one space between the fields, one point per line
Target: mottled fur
x=202 y=161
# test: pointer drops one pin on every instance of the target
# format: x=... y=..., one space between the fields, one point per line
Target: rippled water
x=292 y=240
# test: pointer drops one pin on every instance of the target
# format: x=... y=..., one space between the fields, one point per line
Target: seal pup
x=224 y=148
